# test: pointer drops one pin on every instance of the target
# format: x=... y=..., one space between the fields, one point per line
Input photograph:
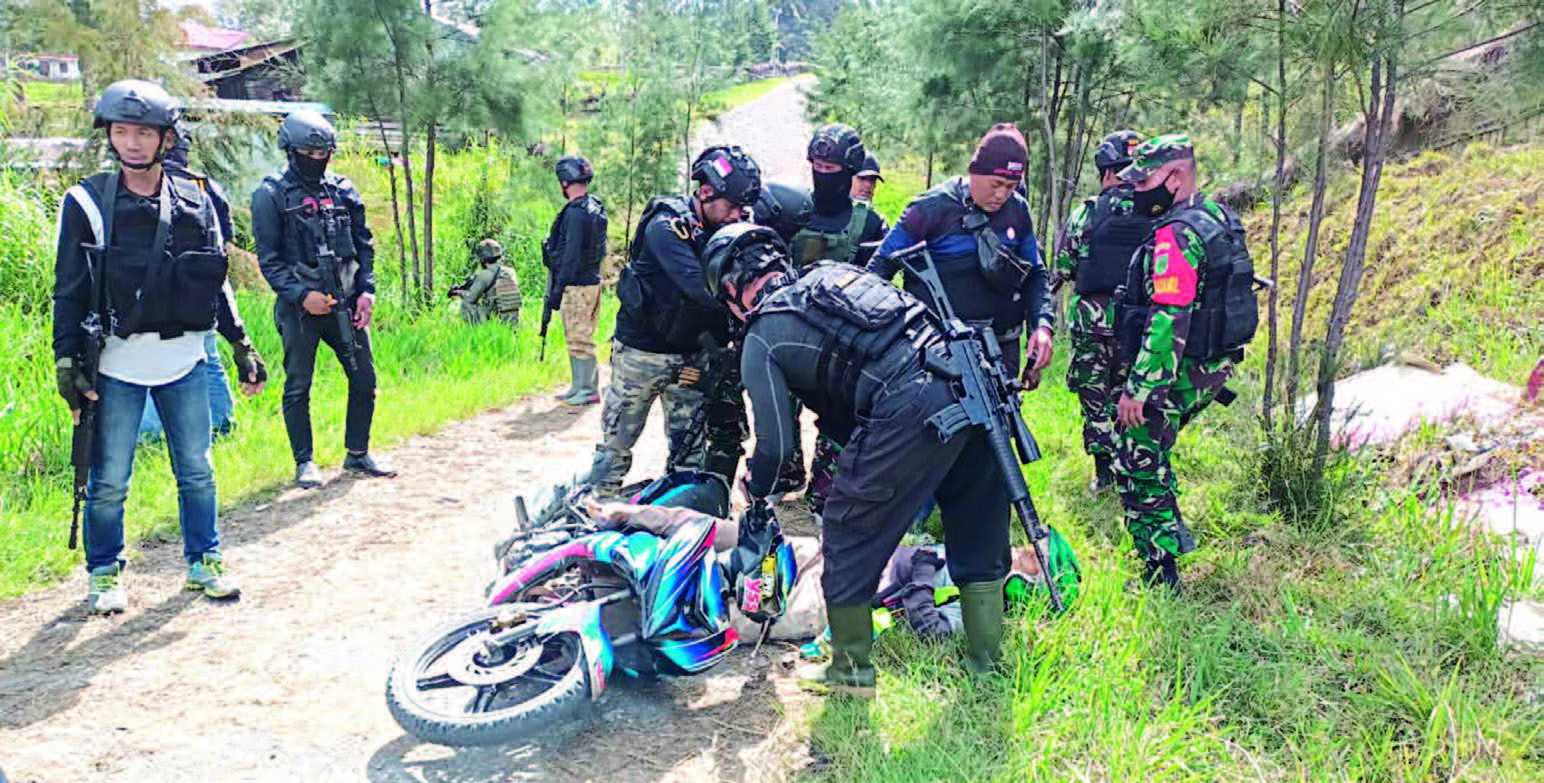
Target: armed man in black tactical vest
x=137 y=285
x=840 y=226
x=221 y=404
x=666 y=313
x=1185 y=312
x=853 y=349
x=573 y=252
x=1093 y=252
x=316 y=251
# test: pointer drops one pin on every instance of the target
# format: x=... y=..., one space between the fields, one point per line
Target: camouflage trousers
x=581 y=306
x=637 y=379
x=477 y=312
x=1148 y=489
x=1091 y=375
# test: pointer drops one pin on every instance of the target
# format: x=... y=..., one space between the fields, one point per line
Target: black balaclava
x=833 y=192
x=308 y=169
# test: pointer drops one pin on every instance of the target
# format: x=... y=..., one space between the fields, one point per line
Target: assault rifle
x=83 y=437
x=546 y=301
x=325 y=226
x=989 y=397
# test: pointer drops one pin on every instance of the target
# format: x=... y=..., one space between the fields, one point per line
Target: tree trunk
x=396 y=208
x=929 y=177
x=430 y=144
x=1311 y=244
x=1277 y=194
x=1238 y=128
x=1379 y=119
x=1048 y=130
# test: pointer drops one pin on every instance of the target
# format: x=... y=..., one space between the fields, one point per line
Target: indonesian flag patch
x=1174 y=279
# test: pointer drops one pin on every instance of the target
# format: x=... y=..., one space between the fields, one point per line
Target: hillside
x=1455 y=267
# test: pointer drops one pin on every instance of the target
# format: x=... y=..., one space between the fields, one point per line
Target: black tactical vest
x=648 y=297
x=1226 y=316
x=170 y=285
x=594 y=238
x=312 y=221
x=1113 y=238
x=862 y=317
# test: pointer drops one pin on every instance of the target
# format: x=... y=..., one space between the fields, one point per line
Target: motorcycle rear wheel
x=452 y=690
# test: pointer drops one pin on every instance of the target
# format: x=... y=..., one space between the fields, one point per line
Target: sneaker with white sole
x=106 y=595
x=208 y=575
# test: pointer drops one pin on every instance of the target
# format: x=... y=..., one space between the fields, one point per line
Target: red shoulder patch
x=1174 y=279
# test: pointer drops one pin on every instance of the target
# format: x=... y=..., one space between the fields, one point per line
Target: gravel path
x=772 y=129
x=288 y=683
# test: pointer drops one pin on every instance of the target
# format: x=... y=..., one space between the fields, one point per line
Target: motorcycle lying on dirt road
x=577 y=602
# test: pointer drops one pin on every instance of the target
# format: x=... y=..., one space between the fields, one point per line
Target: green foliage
x=1459 y=260
x=1368 y=653
x=432 y=368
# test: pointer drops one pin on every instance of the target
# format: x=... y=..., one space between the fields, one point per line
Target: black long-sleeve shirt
x=577 y=242
x=281 y=245
x=134 y=226
x=781 y=355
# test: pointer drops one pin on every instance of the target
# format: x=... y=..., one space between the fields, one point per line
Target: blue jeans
x=184 y=408
x=221 y=404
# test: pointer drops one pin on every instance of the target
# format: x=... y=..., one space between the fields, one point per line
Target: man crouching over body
x=850 y=347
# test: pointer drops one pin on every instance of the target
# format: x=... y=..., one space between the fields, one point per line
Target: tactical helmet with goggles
x=738 y=254
x=489 y=250
x=731 y=173
x=839 y=144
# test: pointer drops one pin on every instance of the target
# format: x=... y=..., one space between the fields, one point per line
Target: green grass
x=726 y=98
x=431 y=368
x=1364 y=653
x=1360 y=644
x=55 y=93
x=1455 y=261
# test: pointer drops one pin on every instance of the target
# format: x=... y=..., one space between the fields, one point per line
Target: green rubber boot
x=981 y=604
x=850 y=672
x=575 y=381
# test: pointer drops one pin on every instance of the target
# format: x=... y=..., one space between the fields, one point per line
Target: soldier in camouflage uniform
x=492 y=290
x=665 y=313
x=1186 y=310
x=1092 y=253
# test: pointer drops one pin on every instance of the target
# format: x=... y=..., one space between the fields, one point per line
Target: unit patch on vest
x=1174 y=279
x=680 y=228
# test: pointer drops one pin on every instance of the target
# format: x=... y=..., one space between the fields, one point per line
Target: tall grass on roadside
x=432 y=369
x=1357 y=643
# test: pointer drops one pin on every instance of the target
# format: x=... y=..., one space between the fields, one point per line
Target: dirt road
x=288 y=683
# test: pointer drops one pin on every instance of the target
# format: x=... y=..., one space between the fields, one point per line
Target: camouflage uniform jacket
x=1087 y=313
x=1172 y=265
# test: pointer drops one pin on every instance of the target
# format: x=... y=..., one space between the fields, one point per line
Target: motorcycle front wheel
x=456 y=687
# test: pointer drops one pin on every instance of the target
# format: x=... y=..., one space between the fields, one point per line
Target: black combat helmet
x=307 y=130
x=178 y=154
x=732 y=174
x=783 y=208
x=572 y=168
x=139 y=102
x=1115 y=150
x=839 y=144
x=741 y=252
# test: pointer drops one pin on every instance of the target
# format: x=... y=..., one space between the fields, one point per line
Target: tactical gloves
x=72 y=381
x=249 y=365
